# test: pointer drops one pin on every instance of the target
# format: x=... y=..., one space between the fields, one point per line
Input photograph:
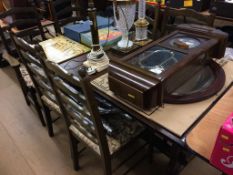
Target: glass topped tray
x=157 y=59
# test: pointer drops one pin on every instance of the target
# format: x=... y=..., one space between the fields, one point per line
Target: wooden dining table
x=201 y=139
x=172 y=122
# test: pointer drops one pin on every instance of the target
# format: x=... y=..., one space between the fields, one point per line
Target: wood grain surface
x=202 y=138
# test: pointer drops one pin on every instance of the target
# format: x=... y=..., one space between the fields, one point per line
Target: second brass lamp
x=141 y=24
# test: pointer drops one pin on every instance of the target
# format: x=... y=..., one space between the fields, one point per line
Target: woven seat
x=129 y=130
x=52 y=106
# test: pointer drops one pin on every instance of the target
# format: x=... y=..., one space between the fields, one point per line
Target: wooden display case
x=146 y=76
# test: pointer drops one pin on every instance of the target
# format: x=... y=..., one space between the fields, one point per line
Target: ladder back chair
x=154 y=18
x=83 y=119
x=23 y=21
x=63 y=12
x=183 y=15
x=31 y=58
x=27 y=24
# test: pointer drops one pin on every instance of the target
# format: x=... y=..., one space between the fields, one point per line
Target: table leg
x=174 y=164
x=179 y=158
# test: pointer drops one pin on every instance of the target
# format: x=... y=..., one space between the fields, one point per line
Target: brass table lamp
x=141 y=24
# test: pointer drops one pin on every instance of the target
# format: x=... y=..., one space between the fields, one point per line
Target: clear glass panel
x=157 y=59
x=197 y=83
x=188 y=41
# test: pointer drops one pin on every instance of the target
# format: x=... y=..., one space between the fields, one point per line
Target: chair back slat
x=185 y=16
x=77 y=106
x=63 y=73
x=30 y=58
x=44 y=85
x=37 y=71
x=68 y=90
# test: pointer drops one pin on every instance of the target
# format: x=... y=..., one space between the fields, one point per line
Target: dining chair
x=84 y=122
x=173 y=17
x=27 y=25
x=46 y=98
x=153 y=16
x=64 y=12
x=21 y=21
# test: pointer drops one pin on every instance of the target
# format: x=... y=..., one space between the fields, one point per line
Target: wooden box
x=142 y=91
x=143 y=77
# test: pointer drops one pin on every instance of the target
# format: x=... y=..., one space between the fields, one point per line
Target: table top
x=202 y=137
x=173 y=120
x=176 y=118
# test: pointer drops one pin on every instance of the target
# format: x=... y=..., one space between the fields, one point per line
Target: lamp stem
x=94 y=28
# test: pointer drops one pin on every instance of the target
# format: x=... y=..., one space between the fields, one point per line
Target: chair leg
x=74 y=152
x=150 y=152
x=48 y=119
x=174 y=164
x=37 y=107
x=107 y=166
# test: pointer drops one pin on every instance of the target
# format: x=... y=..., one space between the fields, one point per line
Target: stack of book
x=107 y=37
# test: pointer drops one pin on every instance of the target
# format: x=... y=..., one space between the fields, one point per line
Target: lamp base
x=143 y=42
x=118 y=50
x=125 y=44
x=96 y=61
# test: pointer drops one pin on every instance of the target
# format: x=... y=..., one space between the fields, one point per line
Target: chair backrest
x=25 y=21
x=79 y=107
x=31 y=58
x=154 y=17
x=184 y=15
x=63 y=12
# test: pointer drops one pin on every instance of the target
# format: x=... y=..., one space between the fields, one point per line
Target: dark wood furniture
x=154 y=18
x=84 y=121
x=170 y=123
x=222 y=9
x=27 y=27
x=45 y=97
x=27 y=24
x=183 y=15
x=151 y=75
x=201 y=139
x=64 y=12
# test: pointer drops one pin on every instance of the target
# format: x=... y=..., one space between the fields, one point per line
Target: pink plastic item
x=222 y=155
